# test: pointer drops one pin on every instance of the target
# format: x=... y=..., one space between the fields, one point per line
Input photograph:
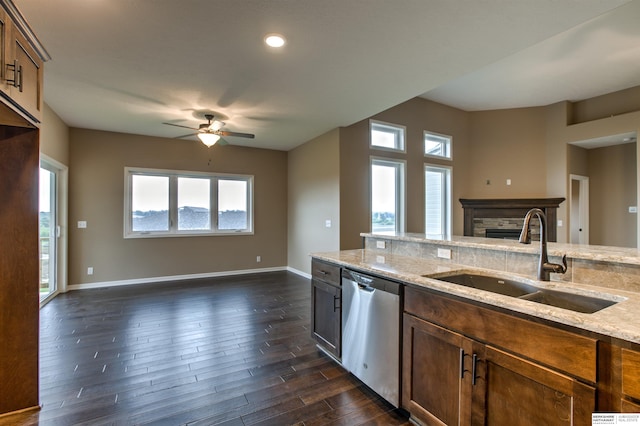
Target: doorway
x=52 y=219
x=579 y=209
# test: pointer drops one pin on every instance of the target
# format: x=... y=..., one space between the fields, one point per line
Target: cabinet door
x=436 y=382
x=5 y=45
x=325 y=315
x=519 y=392
x=27 y=91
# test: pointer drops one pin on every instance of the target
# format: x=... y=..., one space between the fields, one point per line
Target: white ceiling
x=129 y=65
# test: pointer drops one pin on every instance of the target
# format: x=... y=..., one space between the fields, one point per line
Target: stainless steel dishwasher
x=371 y=332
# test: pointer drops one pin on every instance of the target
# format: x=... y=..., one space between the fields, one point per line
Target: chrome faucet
x=544 y=267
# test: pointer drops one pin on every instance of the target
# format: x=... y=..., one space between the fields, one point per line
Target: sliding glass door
x=49 y=230
x=53 y=224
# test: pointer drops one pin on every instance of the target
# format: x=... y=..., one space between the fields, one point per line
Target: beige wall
x=314 y=198
x=578 y=159
x=612 y=190
x=527 y=145
x=560 y=134
x=508 y=144
x=54 y=136
x=97 y=161
x=417 y=115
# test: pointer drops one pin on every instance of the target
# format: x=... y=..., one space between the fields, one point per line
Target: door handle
x=473 y=369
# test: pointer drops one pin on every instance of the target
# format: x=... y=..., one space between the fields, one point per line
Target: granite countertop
x=619 y=321
x=624 y=255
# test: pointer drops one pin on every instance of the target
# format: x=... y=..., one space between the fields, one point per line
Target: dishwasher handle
x=367 y=288
x=371 y=283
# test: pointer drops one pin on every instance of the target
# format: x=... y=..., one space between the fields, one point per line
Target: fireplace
x=503 y=233
x=503 y=218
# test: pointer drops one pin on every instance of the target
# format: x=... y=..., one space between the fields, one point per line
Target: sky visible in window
x=152 y=193
x=45 y=190
x=383 y=186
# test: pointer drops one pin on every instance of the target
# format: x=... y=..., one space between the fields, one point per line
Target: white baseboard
x=178 y=278
x=298 y=272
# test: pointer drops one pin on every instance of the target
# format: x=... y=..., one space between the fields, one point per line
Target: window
x=387 y=195
x=387 y=136
x=437 y=182
x=436 y=145
x=164 y=203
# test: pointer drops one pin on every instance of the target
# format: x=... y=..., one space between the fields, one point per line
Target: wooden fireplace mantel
x=510 y=208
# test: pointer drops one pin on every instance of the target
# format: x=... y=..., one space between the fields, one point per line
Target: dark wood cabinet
x=436 y=389
x=453 y=373
x=19 y=281
x=522 y=392
x=326 y=299
x=21 y=58
x=630 y=369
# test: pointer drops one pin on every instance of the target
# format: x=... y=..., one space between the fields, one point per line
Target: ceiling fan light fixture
x=209 y=139
x=274 y=40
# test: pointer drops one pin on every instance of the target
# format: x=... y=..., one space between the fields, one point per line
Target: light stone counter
x=622 y=255
x=620 y=321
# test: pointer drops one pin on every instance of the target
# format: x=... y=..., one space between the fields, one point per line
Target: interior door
x=579 y=210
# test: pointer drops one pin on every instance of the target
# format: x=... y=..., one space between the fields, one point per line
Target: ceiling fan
x=210 y=132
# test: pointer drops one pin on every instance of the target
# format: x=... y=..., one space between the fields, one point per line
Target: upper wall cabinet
x=21 y=59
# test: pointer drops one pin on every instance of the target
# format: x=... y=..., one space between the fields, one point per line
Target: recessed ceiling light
x=274 y=40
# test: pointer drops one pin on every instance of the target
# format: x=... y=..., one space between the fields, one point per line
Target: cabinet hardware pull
x=323 y=272
x=336 y=299
x=461 y=363
x=17 y=75
x=473 y=369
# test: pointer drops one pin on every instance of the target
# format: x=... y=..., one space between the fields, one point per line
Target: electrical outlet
x=444 y=253
x=90 y=270
x=258 y=259
x=381 y=244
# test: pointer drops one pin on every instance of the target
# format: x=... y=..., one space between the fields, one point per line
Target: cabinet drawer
x=326 y=272
x=631 y=373
x=554 y=347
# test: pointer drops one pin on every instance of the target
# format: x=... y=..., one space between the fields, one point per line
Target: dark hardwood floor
x=232 y=351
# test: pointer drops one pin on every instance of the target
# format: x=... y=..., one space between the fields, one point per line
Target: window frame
x=400 y=190
x=399 y=130
x=173 y=230
x=448 y=144
x=446 y=199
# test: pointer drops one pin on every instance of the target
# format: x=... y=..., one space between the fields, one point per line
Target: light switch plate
x=381 y=244
x=82 y=224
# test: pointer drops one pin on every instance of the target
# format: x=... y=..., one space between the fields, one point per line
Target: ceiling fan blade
x=184 y=136
x=179 y=125
x=240 y=135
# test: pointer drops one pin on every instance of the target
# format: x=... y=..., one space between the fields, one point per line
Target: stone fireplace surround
x=508 y=214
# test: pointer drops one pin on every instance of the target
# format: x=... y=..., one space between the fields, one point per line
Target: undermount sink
x=570 y=301
x=524 y=291
x=506 y=287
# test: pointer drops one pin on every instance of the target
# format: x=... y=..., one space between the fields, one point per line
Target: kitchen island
x=474 y=356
